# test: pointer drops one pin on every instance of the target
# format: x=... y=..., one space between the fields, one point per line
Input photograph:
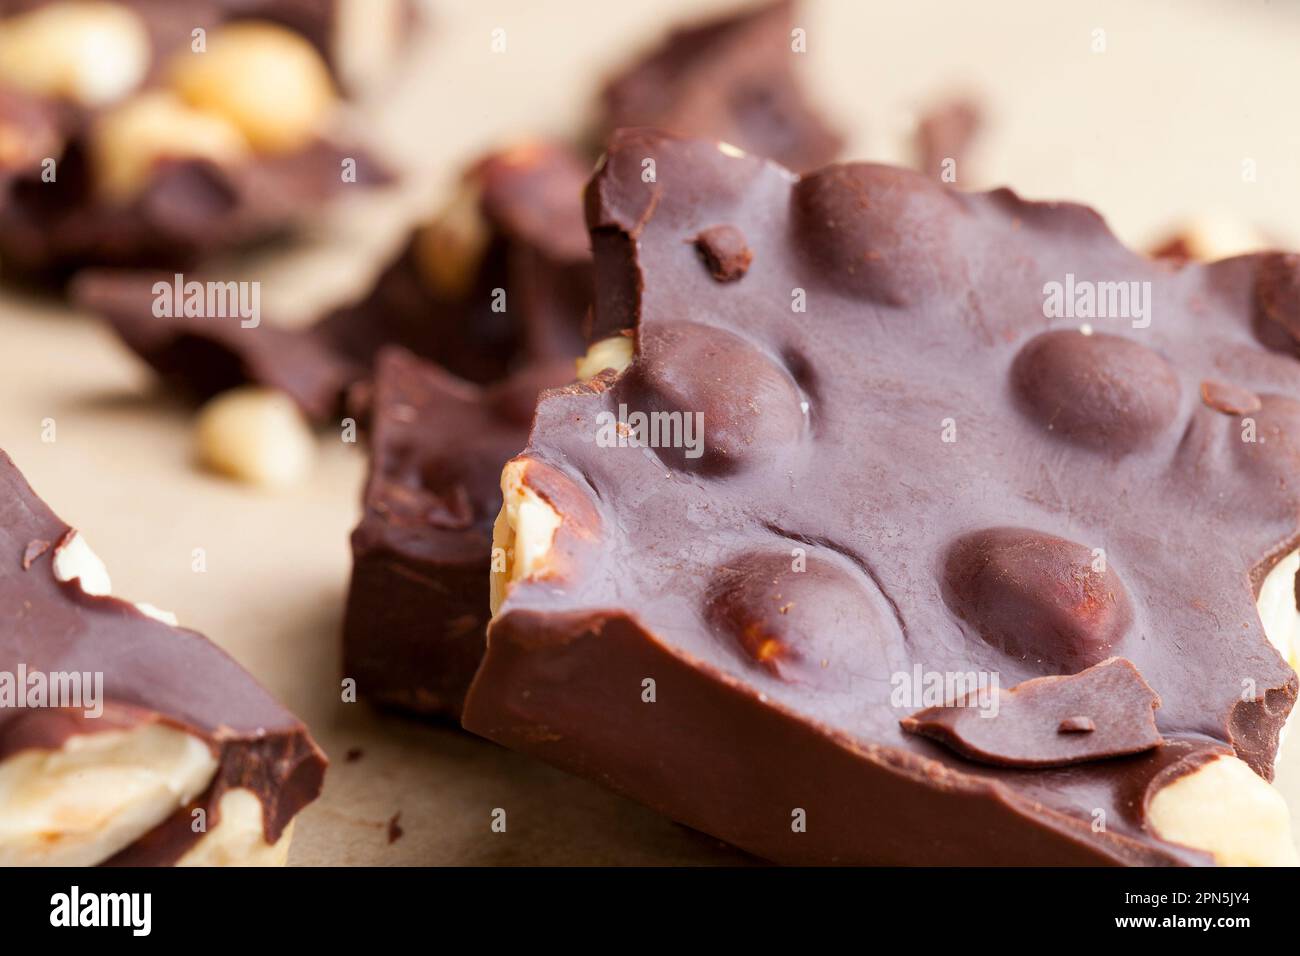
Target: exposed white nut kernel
x=449 y=250
x=131 y=138
x=267 y=80
x=238 y=838
x=89 y=52
x=1277 y=608
x=74 y=560
x=614 y=352
x=1227 y=810
x=524 y=531
x=157 y=613
x=256 y=435
x=98 y=793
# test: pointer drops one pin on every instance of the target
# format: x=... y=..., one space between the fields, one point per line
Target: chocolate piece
x=946 y=132
x=724 y=251
x=732 y=79
x=533 y=250
x=189 y=211
x=503 y=279
x=1228 y=398
x=201 y=356
x=891 y=476
x=1102 y=712
x=157 y=679
x=417 y=609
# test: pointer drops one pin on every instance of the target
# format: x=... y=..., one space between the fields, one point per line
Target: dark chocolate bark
x=732 y=78
x=908 y=464
x=418 y=601
x=152 y=672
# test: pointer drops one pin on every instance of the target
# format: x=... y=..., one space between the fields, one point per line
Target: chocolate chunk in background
x=201 y=357
x=417 y=609
x=518 y=229
x=501 y=279
x=153 y=674
x=946 y=132
x=190 y=210
x=1104 y=711
x=770 y=584
x=732 y=78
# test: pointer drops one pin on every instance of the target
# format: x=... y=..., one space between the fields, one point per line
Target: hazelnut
x=88 y=52
x=614 y=352
x=255 y=435
x=128 y=140
x=524 y=531
x=263 y=78
x=1224 y=808
x=449 y=250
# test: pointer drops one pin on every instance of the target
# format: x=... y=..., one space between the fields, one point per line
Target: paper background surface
x=1152 y=130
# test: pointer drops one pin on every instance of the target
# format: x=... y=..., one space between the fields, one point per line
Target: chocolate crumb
x=725 y=252
x=353 y=755
x=1230 y=399
x=1076 y=725
x=394 y=831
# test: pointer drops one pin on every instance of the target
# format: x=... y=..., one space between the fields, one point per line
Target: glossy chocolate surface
x=909 y=464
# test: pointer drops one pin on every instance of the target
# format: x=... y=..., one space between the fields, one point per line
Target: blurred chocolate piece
x=180 y=728
x=732 y=79
x=946 y=132
x=501 y=279
x=417 y=607
x=500 y=283
x=190 y=210
x=202 y=356
x=882 y=459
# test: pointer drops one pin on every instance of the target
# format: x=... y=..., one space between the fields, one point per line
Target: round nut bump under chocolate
x=129 y=140
x=799 y=621
x=267 y=80
x=1224 y=808
x=736 y=404
x=89 y=52
x=877 y=233
x=1101 y=391
x=255 y=435
x=1036 y=597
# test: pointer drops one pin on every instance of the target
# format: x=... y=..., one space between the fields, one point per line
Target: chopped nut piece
x=129 y=140
x=524 y=530
x=266 y=80
x=450 y=249
x=80 y=804
x=255 y=435
x=88 y=52
x=1228 y=811
x=614 y=352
